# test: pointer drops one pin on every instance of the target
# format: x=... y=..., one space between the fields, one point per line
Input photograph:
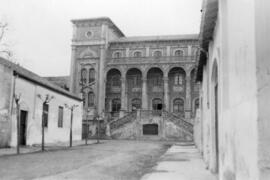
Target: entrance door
x=23 y=127
x=150 y=129
x=157 y=106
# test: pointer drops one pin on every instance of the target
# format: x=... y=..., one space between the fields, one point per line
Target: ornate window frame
x=155 y=51
x=117 y=52
x=140 y=52
x=178 y=49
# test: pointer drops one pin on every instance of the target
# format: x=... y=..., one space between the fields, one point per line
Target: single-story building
x=31 y=91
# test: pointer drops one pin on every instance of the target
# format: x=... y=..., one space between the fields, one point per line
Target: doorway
x=157 y=104
x=150 y=129
x=23 y=127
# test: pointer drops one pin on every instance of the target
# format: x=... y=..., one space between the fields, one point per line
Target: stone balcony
x=151 y=60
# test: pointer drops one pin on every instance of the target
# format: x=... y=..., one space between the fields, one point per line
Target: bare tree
x=4 y=48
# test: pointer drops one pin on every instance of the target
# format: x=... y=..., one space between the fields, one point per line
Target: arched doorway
x=134 y=88
x=113 y=92
x=155 y=88
x=135 y=104
x=178 y=107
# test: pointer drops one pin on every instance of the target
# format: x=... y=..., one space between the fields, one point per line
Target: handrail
x=179 y=120
x=121 y=121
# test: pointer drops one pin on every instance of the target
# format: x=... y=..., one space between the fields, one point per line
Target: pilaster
x=166 y=93
x=188 y=97
x=144 y=94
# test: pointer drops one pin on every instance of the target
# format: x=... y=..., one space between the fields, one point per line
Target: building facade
x=118 y=75
x=31 y=91
x=235 y=96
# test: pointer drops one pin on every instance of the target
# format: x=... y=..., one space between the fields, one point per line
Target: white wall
x=233 y=48
x=33 y=105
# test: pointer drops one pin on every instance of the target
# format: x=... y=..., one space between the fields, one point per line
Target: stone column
x=101 y=81
x=166 y=93
x=144 y=94
x=123 y=97
x=168 y=51
x=147 y=52
x=188 y=97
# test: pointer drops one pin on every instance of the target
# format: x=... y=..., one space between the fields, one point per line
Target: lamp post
x=71 y=121
x=45 y=101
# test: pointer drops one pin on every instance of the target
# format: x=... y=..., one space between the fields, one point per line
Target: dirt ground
x=110 y=160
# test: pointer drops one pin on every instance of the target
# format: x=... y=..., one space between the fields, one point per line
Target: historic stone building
x=118 y=76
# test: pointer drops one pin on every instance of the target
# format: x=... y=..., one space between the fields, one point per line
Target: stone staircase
x=170 y=126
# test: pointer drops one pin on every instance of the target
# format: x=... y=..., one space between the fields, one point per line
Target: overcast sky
x=40 y=30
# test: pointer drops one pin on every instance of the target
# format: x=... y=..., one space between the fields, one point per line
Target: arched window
x=178 y=79
x=116 y=81
x=157 y=54
x=178 y=106
x=83 y=75
x=135 y=104
x=116 y=105
x=91 y=75
x=117 y=55
x=178 y=53
x=91 y=99
x=137 y=54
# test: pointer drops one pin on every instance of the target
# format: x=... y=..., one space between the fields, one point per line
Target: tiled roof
x=157 y=38
x=30 y=76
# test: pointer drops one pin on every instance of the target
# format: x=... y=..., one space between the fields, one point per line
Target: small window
x=45 y=114
x=178 y=53
x=137 y=54
x=84 y=98
x=91 y=75
x=88 y=34
x=157 y=54
x=91 y=98
x=60 y=116
x=117 y=55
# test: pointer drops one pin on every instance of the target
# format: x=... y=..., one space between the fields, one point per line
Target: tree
x=4 y=48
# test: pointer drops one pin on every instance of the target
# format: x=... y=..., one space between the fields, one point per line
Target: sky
x=39 y=32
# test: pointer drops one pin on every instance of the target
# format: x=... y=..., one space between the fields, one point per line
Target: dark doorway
x=23 y=127
x=157 y=104
x=150 y=129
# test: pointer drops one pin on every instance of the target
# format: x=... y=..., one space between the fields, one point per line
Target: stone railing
x=151 y=59
x=179 y=121
x=122 y=121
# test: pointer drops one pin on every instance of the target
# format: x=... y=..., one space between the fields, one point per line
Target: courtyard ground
x=110 y=160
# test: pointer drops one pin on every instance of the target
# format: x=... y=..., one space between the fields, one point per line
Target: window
x=156 y=80
x=117 y=55
x=157 y=104
x=116 y=80
x=91 y=75
x=137 y=54
x=178 y=106
x=178 y=79
x=116 y=105
x=157 y=54
x=88 y=34
x=45 y=114
x=178 y=53
x=91 y=99
x=60 y=116
x=83 y=75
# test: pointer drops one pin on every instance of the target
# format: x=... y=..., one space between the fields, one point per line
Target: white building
x=234 y=69
x=32 y=91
